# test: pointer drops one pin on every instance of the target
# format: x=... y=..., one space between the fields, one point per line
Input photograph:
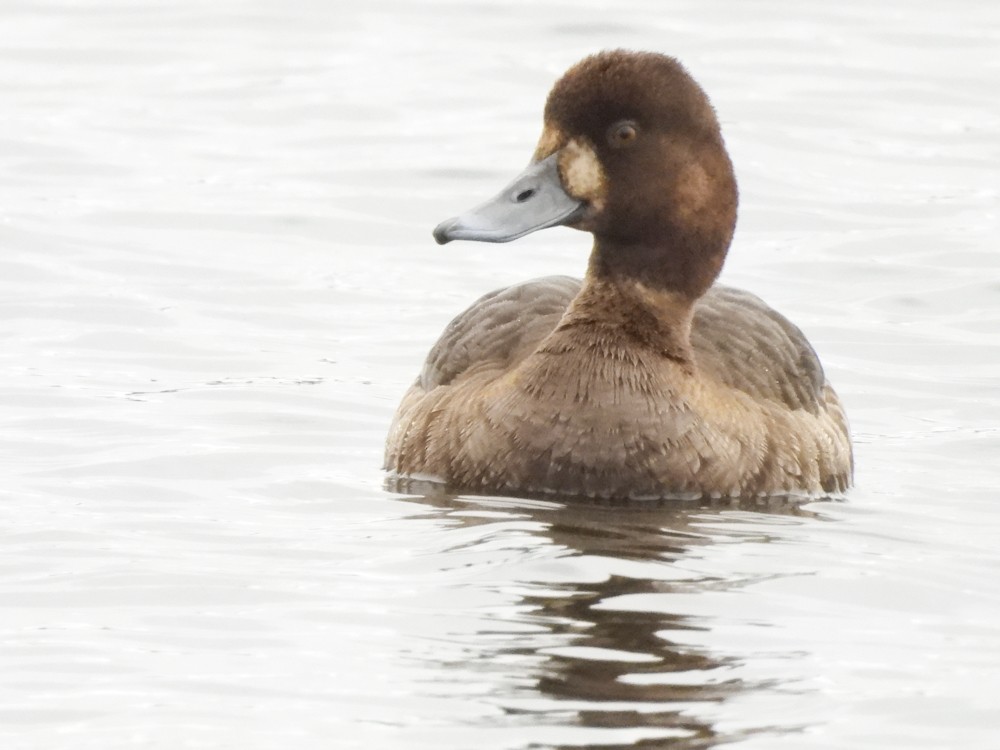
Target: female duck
x=644 y=380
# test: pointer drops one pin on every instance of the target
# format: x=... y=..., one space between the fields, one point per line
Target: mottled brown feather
x=739 y=344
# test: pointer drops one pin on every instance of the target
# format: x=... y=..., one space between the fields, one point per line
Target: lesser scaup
x=643 y=380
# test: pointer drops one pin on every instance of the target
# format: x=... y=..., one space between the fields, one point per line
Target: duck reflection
x=619 y=668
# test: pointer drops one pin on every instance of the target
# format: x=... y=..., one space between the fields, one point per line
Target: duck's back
x=739 y=344
x=737 y=339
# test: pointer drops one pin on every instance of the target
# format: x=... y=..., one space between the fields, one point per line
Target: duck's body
x=642 y=381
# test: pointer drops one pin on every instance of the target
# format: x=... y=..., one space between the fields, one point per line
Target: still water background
x=217 y=279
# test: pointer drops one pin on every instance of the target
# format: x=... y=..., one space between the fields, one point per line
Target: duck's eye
x=622 y=133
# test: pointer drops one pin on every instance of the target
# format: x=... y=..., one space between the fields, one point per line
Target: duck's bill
x=534 y=200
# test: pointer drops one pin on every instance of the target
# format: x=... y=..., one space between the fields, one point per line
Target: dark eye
x=622 y=133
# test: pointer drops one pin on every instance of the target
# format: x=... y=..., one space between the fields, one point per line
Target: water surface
x=217 y=279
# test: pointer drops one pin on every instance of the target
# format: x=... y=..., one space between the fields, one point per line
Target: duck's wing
x=498 y=330
x=747 y=345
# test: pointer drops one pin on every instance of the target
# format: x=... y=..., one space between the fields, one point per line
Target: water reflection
x=618 y=667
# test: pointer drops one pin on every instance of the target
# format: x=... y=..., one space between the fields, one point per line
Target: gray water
x=217 y=279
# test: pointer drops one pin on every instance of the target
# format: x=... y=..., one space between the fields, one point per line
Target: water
x=217 y=279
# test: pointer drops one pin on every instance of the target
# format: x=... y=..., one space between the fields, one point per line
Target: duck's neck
x=683 y=264
x=621 y=314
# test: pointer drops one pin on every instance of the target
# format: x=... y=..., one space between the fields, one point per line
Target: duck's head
x=631 y=152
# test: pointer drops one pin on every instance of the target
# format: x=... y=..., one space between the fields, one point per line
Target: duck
x=645 y=379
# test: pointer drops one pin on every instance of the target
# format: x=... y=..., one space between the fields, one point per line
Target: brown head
x=631 y=152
